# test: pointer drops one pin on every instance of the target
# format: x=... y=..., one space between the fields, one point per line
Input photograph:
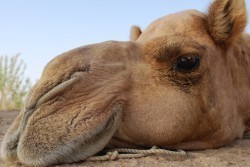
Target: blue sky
x=40 y=30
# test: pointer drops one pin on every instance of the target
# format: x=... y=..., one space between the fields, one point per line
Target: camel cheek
x=161 y=116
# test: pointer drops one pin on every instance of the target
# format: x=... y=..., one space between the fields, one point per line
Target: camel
x=182 y=83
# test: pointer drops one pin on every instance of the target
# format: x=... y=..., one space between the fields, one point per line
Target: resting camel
x=182 y=83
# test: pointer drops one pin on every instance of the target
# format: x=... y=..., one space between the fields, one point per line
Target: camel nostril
x=80 y=72
x=59 y=88
x=87 y=68
x=76 y=74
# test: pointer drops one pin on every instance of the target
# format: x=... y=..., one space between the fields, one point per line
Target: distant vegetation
x=13 y=84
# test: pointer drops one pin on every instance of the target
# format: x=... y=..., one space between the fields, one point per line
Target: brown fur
x=130 y=94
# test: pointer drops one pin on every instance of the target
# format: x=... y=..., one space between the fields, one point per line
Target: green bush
x=13 y=84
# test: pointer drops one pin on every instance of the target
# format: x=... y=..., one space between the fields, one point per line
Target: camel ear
x=135 y=32
x=226 y=20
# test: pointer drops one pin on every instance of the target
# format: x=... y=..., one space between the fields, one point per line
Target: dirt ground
x=235 y=155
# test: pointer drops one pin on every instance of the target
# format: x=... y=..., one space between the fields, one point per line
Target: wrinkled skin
x=135 y=94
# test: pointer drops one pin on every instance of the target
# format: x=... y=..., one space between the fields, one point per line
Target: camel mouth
x=11 y=146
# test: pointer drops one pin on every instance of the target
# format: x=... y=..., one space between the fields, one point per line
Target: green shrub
x=13 y=84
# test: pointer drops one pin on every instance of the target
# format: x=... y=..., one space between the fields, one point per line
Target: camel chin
x=182 y=83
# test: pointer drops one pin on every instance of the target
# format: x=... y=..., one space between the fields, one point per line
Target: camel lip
x=58 y=89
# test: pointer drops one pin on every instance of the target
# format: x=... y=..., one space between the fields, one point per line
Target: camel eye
x=187 y=63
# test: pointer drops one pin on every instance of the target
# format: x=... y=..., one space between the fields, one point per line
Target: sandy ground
x=235 y=155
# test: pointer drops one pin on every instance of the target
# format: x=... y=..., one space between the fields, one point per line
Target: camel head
x=182 y=83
